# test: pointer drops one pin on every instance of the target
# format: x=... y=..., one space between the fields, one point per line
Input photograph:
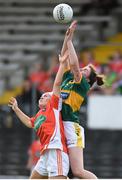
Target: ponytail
x=100 y=80
x=94 y=77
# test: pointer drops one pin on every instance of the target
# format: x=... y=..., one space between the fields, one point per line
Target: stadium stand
x=102 y=156
x=13 y=157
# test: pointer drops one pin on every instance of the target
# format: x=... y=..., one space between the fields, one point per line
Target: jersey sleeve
x=56 y=102
x=32 y=119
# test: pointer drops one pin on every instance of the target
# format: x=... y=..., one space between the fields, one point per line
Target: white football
x=63 y=13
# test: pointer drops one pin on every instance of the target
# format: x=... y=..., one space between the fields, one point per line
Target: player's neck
x=43 y=108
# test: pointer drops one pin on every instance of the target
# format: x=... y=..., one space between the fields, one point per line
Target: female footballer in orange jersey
x=47 y=123
x=74 y=89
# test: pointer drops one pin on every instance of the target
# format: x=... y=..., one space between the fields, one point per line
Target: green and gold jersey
x=73 y=94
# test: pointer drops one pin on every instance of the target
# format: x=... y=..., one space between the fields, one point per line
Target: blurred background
x=30 y=41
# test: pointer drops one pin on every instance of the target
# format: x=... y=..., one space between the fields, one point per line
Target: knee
x=31 y=176
x=78 y=172
x=83 y=174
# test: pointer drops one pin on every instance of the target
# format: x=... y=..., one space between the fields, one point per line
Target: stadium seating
x=106 y=50
x=103 y=153
x=13 y=151
x=27 y=29
x=27 y=25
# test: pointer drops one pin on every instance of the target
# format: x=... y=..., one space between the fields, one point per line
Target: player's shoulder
x=55 y=102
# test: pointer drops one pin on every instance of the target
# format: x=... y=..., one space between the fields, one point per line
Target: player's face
x=86 y=71
x=44 y=99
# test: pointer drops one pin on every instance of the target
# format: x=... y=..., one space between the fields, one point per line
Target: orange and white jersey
x=49 y=126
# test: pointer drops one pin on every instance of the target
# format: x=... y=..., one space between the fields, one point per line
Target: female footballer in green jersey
x=75 y=86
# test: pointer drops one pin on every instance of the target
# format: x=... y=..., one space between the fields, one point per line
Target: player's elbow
x=29 y=124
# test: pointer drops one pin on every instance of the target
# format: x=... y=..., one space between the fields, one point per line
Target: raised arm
x=73 y=60
x=69 y=35
x=59 y=75
x=23 y=117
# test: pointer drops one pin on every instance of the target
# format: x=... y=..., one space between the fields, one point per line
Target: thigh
x=76 y=158
x=36 y=175
x=40 y=167
x=57 y=164
x=74 y=134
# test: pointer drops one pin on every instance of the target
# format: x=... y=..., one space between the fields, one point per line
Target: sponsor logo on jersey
x=38 y=122
x=64 y=95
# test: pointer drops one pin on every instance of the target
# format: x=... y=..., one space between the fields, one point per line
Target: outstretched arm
x=23 y=117
x=74 y=63
x=59 y=76
x=69 y=35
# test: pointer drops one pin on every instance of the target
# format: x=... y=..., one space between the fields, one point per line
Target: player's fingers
x=73 y=24
x=59 y=57
x=9 y=105
x=73 y=27
x=68 y=32
x=71 y=30
x=66 y=54
x=65 y=57
x=11 y=101
x=12 y=98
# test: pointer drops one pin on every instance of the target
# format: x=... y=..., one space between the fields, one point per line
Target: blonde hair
x=48 y=93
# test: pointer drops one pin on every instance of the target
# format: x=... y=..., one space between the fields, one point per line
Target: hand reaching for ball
x=70 y=30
